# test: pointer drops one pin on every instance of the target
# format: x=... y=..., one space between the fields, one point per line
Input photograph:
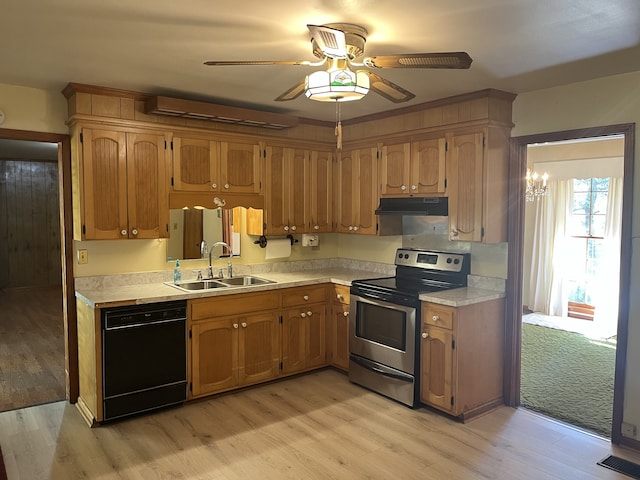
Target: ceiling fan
x=340 y=46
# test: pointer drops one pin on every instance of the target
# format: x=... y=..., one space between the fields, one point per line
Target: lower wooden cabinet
x=462 y=352
x=303 y=338
x=339 y=328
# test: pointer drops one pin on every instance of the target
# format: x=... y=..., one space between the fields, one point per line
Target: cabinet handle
x=346 y=314
x=226 y=185
x=214 y=185
x=339 y=296
x=316 y=227
x=293 y=228
x=134 y=231
x=454 y=232
x=244 y=324
x=425 y=334
x=303 y=314
x=413 y=187
x=403 y=188
x=123 y=232
x=235 y=325
x=306 y=297
x=309 y=313
x=286 y=228
x=355 y=229
x=350 y=227
x=435 y=318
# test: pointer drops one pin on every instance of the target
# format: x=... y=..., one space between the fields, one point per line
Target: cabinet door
x=259 y=347
x=321 y=196
x=147 y=185
x=315 y=340
x=104 y=172
x=340 y=332
x=366 y=184
x=428 y=166
x=214 y=356
x=465 y=192
x=196 y=165
x=293 y=340
x=240 y=167
x=437 y=367
x=395 y=170
x=346 y=174
x=276 y=212
x=298 y=184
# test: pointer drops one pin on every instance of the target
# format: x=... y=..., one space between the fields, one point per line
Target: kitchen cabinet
x=357 y=195
x=303 y=328
x=321 y=191
x=235 y=341
x=287 y=193
x=477 y=187
x=462 y=350
x=206 y=165
x=339 y=330
x=414 y=168
x=122 y=182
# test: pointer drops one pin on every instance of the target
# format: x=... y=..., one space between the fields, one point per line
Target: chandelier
x=536 y=185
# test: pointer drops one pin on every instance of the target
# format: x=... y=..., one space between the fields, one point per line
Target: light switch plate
x=83 y=257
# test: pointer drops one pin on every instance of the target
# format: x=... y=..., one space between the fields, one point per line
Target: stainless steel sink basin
x=198 y=285
x=244 y=281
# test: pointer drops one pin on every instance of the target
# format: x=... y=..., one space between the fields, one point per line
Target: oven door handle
x=381 y=369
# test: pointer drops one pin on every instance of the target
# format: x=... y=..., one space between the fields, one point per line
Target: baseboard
x=630 y=443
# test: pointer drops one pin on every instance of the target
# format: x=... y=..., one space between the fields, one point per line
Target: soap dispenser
x=177 y=274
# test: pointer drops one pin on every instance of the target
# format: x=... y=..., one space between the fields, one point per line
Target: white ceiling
x=158 y=46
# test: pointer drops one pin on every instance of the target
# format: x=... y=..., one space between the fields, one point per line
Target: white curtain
x=547 y=292
x=606 y=293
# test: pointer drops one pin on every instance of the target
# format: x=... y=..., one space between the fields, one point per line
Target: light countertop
x=460 y=297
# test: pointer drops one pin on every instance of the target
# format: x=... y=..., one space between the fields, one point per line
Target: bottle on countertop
x=177 y=274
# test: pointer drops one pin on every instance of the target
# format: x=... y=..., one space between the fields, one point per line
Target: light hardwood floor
x=316 y=426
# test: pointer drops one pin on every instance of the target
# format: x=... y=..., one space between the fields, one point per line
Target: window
x=586 y=227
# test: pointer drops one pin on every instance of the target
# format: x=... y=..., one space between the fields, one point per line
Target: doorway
x=515 y=270
x=571 y=279
x=66 y=248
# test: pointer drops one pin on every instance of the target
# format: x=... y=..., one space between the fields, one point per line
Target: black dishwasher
x=144 y=357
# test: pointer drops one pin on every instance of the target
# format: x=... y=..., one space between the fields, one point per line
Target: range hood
x=438 y=206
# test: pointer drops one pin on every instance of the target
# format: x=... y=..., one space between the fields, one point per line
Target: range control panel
x=431 y=260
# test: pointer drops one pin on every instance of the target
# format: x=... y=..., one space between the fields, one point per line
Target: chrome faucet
x=229 y=265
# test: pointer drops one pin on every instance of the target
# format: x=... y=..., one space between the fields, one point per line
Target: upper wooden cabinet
x=204 y=165
x=321 y=191
x=357 y=195
x=122 y=180
x=413 y=168
x=477 y=190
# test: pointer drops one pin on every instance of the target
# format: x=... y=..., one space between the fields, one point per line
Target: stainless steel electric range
x=385 y=320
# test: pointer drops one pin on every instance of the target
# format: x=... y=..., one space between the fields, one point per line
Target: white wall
x=33 y=109
x=605 y=101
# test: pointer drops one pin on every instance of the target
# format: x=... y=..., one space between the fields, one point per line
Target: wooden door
x=196 y=165
x=340 y=331
x=321 y=192
x=395 y=170
x=259 y=347
x=293 y=340
x=346 y=178
x=315 y=340
x=276 y=212
x=428 y=172
x=214 y=356
x=298 y=186
x=192 y=234
x=465 y=192
x=240 y=167
x=147 y=185
x=437 y=363
x=367 y=187
x=104 y=170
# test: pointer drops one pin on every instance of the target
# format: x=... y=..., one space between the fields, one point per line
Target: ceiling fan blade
x=331 y=41
x=387 y=89
x=256 y=62
x=420 y=60
x=293 y=93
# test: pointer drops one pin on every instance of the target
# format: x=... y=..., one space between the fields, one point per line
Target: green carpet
x=568 y=376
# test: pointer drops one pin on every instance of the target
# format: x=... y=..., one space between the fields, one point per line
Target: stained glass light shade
x=338 y=85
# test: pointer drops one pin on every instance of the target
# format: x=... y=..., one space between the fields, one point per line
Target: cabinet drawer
x=341 y=294
x=438 y=315
x=304 y=295
x=233 y=304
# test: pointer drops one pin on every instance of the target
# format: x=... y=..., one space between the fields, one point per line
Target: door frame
x=66 y=248
x=513 y=322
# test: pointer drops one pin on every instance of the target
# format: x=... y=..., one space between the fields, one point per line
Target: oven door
x=383 y=332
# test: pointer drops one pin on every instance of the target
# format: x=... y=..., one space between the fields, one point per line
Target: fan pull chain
x=338 y=126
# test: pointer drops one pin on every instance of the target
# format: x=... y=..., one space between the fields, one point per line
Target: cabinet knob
x=309 y=313
x=293 y=228
x=226 y=185
x=244 y=324
x=355 y=229
x=134 y=231
x=303 y=314
x=403 y=188
x=286 y=228
x=316 y=227
x=235 y=325
x=123 y=232
x=435 y=318
x=350 y=227
x=346 y=314
x=339 y=296
x=454 y=232
x=214 y=185
x=413 y=187
x=306 y=297
x=425 y=334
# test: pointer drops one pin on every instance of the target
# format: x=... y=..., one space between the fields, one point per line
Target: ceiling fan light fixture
x=340 y=85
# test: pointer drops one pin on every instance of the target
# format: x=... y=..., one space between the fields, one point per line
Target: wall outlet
x=629 y=430
x=309 y=240
x=83 y=257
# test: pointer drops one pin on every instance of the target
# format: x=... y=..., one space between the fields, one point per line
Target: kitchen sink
x=244 y=281
x=198 y=285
